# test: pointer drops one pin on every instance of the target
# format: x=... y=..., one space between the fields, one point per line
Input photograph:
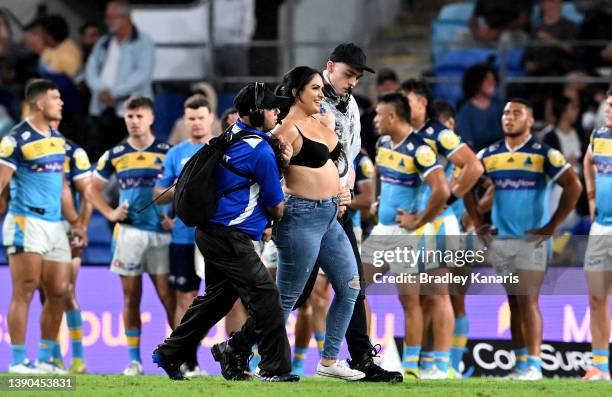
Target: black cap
x=352 y=55
x=386 y=74
x=245 y=99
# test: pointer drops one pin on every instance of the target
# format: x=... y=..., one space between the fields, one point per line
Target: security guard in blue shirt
x=233 y=268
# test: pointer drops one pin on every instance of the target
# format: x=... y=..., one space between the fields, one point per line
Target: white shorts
x=598 y=255
x=383 y=244
x=22 y=233
x=509 y=255
x=136 y=251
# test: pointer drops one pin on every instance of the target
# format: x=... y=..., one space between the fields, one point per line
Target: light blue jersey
x=445 y=143
x=521 y=177
x=173 y=165
x=137 y=171
x=38 y=162
x=601 y=148
x=76 y=166
x=402 y=169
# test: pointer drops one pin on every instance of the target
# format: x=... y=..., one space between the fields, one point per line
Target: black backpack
x=195 y=195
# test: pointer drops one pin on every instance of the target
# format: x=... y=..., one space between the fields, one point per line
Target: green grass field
x=119 y=386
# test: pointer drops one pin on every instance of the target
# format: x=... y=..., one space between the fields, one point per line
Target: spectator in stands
x=562 y=135
x=9 y=91
x=596 y=26
x=89 y=34
x=565 y=138
x=61 y=54
x=478 y=119
x=234 y=27
x=120 y=65
x=60 y=62
x=495 y=19
x=386 y=81
x=229 y=117
x=553 y=29
x=179 y=131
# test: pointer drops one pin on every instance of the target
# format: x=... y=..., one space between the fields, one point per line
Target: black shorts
x=182 y=268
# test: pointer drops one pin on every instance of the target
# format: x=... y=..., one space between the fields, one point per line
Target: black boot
x=373 y=372
x=234 y=360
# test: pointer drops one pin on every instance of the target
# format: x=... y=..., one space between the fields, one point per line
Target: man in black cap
x=233 y=268
x=344 y=68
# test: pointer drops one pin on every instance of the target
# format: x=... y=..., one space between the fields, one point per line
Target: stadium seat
x=452 y=20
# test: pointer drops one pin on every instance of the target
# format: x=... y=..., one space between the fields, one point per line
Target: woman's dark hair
x=296 y=79
x=473 y=78
x=559 y=106
x=56 y=26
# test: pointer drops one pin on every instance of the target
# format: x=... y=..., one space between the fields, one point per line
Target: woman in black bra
x=309 y=231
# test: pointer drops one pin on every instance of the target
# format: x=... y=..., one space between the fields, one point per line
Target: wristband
x=591 y=194
x=451 y=199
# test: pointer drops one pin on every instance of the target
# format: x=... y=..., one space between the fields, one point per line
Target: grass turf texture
x=118 y=386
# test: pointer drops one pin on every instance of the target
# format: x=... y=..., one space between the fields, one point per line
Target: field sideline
x=117 y=386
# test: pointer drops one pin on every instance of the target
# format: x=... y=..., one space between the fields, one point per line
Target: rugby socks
x=18 y=354
x=254 y=362
x=534 y=361
x=441 y=360
x=521 y=358
x=75 y=326
x=320 y=338
x=57 y=354
x=427 y=359
x=460 y=337
x=45 y=349
x=410 y=357
x=133 y=342
x=297 y=365
x=601 y=358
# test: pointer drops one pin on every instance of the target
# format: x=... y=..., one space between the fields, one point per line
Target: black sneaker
x=373 y=372
x=234 y=363
x=288 y=377
x=172 y=369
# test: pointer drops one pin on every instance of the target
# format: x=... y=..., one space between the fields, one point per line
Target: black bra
x=314 y=154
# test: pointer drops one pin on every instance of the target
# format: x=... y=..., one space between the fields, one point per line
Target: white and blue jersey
x=137 y=171
x=173 y=165
x=363 y=172
x=445 y=143
x=601 y=148
x=402 y=168
x=38 y=162
x=245 y=209
x=521 y=178
x=76 y=166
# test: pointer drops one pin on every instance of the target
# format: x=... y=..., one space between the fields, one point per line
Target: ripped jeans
x=309 y=232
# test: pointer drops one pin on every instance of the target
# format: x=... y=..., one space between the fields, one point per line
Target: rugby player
x=140 y=238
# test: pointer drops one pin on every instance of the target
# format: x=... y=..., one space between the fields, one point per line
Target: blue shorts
x=183 y=276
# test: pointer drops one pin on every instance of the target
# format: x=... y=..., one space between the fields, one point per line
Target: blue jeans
x=309 y=232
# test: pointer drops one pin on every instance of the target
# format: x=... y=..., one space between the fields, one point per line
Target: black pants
x=233 y=270
x=357 y=339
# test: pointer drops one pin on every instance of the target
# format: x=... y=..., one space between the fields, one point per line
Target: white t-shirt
x=570 y=144
x=109 y=70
